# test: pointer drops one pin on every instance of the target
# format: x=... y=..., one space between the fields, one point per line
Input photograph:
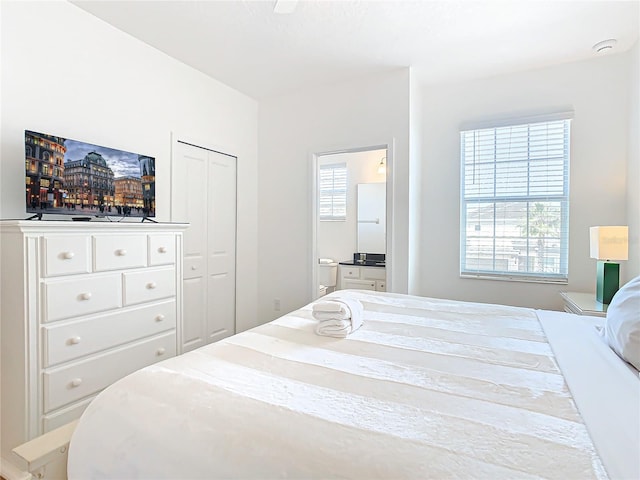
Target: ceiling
x=247 y=46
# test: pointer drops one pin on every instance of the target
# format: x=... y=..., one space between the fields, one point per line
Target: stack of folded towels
x=337 y=317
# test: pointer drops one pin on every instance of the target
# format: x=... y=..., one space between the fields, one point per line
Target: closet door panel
x=222 y=246
x=194 y=295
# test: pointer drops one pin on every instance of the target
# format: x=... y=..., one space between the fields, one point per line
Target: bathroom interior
x=351 y=243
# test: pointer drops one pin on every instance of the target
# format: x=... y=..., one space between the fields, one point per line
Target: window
x=515 y=201
x=333 y=192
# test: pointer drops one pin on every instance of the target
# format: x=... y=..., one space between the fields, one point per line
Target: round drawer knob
x=159 y=318
x=85 y=296
x=121 y=252
x=162 y=250
x=193 y=267
x=68 y=255
x=160 y=351
x=76 y=382
x=74 y=340
x=151 y=285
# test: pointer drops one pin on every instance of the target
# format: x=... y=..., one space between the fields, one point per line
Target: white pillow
x=622 y=329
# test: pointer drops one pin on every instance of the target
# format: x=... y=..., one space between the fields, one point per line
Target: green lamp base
x=607 y=281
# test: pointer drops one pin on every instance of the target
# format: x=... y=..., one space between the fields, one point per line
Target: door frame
x=313 y=253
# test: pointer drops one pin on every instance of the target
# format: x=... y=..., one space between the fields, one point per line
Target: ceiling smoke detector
x=604 y=46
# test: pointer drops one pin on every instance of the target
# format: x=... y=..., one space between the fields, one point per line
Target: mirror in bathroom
x=371 y=226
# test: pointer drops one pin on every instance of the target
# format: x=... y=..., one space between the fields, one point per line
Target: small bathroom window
x=333 y=192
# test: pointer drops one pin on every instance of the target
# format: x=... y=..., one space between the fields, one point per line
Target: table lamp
x=608 y=243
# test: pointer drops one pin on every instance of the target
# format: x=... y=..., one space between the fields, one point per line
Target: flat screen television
x=70 y=177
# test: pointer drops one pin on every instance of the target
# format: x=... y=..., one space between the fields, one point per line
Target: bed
x=426 y=388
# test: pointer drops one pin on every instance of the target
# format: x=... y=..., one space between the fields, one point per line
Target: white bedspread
x=605 y=389
x=425 y=389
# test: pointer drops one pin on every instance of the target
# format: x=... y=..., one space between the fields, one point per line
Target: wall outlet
x=276 y=304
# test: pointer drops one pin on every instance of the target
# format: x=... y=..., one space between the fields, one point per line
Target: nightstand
x=583 y=304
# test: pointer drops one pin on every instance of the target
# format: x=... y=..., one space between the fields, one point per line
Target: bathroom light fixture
x=604 y=46
x=382 y=167
x=606 y=244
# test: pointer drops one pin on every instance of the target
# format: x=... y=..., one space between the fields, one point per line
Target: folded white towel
x=334 y=328
x=338 y=317
x=328 y=306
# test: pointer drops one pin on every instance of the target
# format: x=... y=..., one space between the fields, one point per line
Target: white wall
x=598 y=92
x=67 y=73
x=633 y=173
x=359 y=113
x=338 y=240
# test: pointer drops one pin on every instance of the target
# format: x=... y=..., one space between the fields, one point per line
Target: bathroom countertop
x=367 y=263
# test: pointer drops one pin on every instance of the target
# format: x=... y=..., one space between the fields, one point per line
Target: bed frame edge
x=47 y=450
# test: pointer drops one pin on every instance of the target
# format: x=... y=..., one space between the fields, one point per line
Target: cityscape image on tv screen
x=69 y=177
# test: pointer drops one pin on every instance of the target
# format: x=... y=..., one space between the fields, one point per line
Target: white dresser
x=82 y=305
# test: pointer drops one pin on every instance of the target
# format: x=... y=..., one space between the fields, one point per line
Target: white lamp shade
x=609 y=243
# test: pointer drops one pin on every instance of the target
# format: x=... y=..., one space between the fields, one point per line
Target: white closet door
x=221 y=246
x=204 y=195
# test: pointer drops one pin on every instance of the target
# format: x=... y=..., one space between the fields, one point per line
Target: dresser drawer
x=68 y=384
x=350 y=272
x=359 y=284
x=64 y=416
x=162 y=249
x=113 y=252
x=81 y=296
x=72 y=340
x=373 y=273
x=148 y=285
x=65 y=255
x=194 y=267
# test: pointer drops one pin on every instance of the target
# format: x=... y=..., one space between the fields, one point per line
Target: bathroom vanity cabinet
x=362 y=278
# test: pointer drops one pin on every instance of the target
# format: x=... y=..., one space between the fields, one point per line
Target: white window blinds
x=515 y=201
x=333 y=192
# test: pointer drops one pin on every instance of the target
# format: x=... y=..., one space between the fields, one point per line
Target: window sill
x=514 y=278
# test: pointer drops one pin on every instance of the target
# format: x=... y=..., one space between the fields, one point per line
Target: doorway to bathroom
x=350 y=220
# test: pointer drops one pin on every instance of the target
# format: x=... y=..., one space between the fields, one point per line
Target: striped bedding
x=426 y=388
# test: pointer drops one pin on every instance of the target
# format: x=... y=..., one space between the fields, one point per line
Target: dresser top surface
x=44 y=226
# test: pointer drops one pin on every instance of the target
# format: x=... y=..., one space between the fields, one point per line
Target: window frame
x=528 y=275
x=333 y=193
